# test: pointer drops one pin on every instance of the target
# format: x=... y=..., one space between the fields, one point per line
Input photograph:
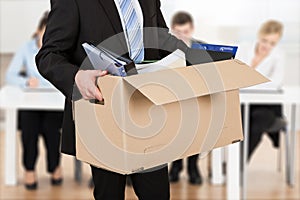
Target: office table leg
x=78 y=170
x=245 y=149
x=233 y=172
x=217 y=172
x=287 y=157
x=292 y=146
x=10 y=165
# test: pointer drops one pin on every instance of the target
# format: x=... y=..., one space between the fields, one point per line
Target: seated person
x=265 y=57
x=22 y=72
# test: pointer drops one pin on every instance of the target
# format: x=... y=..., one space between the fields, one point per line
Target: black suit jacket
x=73 y=22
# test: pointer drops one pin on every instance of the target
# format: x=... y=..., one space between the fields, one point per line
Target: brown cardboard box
x=155 y=118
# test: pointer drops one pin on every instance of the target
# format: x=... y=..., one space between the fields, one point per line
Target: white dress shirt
x=271 y=67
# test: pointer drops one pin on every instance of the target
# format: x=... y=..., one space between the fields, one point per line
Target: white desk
x=11 y=100
x=290 y=98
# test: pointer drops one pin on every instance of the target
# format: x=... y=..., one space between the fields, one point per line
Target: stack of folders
x=103 y=59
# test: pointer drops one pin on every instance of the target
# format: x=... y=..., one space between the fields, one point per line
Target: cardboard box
x=155 y=118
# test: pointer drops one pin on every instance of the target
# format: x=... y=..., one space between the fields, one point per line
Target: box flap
x=179 y=84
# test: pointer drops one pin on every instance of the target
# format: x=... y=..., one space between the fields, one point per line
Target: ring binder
x=104 y=59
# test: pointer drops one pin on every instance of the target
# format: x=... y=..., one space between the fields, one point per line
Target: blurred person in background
x=265 y=56
x=22 y=72
x=182 y=26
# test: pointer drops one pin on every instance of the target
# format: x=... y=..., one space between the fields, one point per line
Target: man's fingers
x=98 y=94
x=85 y=81
x=98 y=72
x=103 y=73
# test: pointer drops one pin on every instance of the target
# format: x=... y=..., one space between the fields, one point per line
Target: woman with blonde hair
x=265 y=57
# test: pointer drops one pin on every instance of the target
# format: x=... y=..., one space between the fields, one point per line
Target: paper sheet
x=174 y=60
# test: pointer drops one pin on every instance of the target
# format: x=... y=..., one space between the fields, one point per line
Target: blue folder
x=215 y=47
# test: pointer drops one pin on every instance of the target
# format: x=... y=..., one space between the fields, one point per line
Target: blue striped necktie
x=133 y=31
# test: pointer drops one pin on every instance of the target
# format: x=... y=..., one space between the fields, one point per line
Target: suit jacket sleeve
x=53 y=60
x=169 y=43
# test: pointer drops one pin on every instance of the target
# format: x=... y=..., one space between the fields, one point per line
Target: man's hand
x=85 y=81
x=33 y=82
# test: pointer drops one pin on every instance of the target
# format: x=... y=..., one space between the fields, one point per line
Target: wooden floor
x=264 y=181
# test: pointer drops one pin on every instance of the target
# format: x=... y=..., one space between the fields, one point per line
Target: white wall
x=18 y=20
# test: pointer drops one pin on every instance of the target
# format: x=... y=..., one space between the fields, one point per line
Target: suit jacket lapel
x=111 y=11
x=148 y=12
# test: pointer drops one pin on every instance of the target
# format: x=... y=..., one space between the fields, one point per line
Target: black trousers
x=153 y=185
x=191 y=163
x=46 y=123
x=261 y=118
